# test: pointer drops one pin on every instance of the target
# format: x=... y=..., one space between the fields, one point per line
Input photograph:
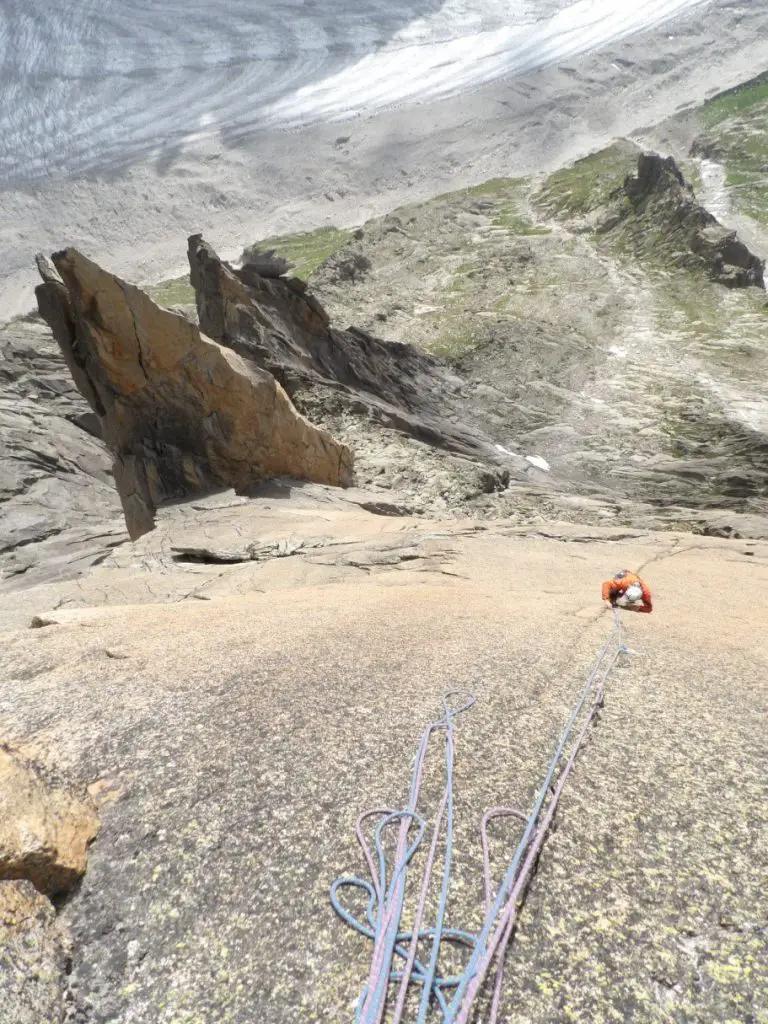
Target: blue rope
x=384 y=907
x=612 y=642
x=396 y=893
x=390 y=937
x=429 y=980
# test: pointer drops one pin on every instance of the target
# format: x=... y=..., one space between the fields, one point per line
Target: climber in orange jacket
x=626 y=590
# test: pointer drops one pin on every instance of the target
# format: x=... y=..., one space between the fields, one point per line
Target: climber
x=626 y=590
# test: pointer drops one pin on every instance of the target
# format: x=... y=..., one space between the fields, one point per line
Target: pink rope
x=501 y=936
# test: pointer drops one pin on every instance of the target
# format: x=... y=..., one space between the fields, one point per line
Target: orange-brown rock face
x=181 y=414
x=44 y=833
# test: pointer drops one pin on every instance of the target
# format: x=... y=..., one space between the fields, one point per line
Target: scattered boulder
x=709 y=149
x=491 y=481
x=44 y=833
x=33 y=957
x=730 y=261
x=181 y=414
x=345 y=266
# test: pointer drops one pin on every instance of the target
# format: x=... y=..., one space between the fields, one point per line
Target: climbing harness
x=395 y=960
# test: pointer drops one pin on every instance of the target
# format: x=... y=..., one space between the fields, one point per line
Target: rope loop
x=396 y=958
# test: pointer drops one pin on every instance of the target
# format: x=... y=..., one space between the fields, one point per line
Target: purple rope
x=500 y=939
x=496 y=812
x=496 y=935
x=385 y=941
x=408 y=970
x=375 y=999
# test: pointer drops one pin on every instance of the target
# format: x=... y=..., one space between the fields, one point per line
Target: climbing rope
x=395 y=958
x=385 y=901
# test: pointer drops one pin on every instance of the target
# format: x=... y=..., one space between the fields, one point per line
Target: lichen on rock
x=33 y=957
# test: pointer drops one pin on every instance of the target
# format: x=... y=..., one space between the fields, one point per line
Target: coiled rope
x=395 y=959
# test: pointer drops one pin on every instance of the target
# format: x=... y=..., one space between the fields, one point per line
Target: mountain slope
x=598 y=338
x=240 y=715
x=585 y=372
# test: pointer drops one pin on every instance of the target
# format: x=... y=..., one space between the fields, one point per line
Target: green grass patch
x=692 y=173
x=742 y=147
x=506 y=196
x=515 y=224
x=306 y=250
x=695 y=304
x=176 y=292
x=455 y=341
x=736 y=102
x=587 y=185
x=495 y=188
x=736 y=134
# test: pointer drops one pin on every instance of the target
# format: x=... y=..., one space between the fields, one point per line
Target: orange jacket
x=613 y=589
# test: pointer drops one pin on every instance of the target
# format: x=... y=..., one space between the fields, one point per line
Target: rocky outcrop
x=349 y=264
x=654 y=174
x=33 y=957
x=278 y=325
x=689 y=234
x=44 y=832
x=58 y=509
x=181 y=414
x=266 y=263
x=729 y=260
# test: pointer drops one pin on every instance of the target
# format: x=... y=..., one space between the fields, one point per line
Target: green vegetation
x=588 y=184
x=515 y=224
x=691 y=172
x=177 y=292
x=455 y=341
x=693 y=306
x=496 y=188
x=306 y=250
x=593 y=185
x=735 y=102
x=507 y=196
x=736 y=135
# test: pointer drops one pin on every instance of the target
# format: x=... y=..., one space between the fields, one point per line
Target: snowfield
x=87 y=86
x=127 y=124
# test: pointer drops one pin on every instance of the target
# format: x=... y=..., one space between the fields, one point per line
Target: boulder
x=267 y=264
x=44 y=832
x=33 y=957
x=181 y=414
x=730 y=261
x=344 y=266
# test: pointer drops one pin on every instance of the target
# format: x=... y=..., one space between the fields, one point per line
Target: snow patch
x=713 y=193
x=421 y=63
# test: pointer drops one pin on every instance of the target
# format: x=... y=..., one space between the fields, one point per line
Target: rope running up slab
x=395 y=960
